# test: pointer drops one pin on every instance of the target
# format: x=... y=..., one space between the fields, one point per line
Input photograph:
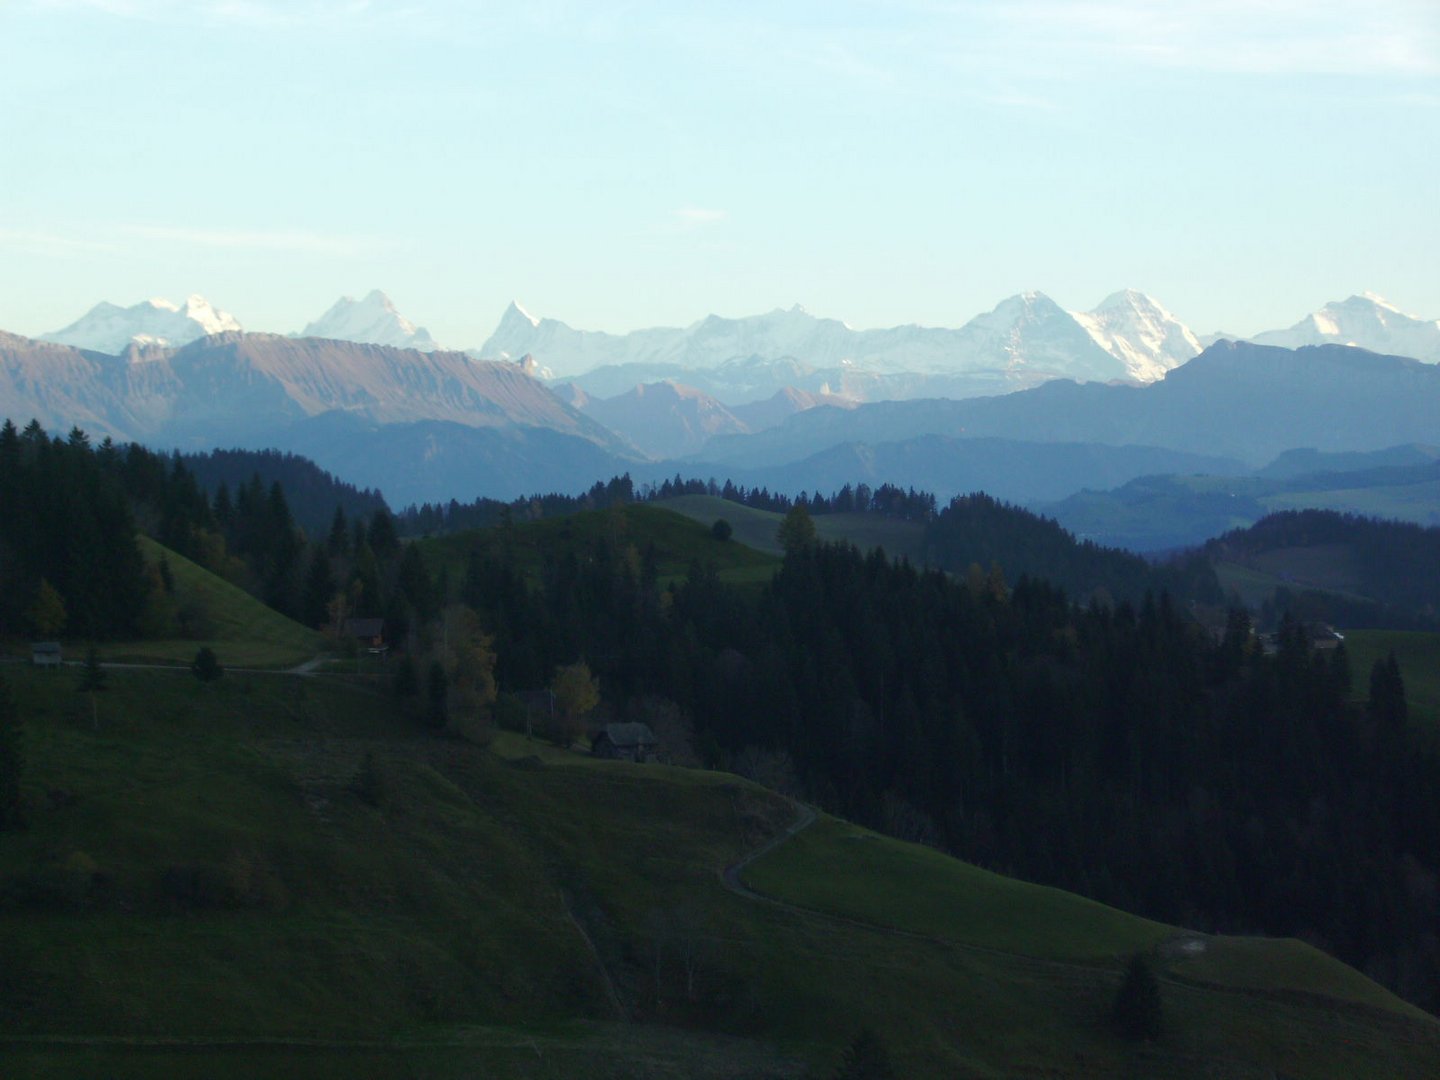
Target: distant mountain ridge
x=372 y=321
x=1238 y=400
x=1368 y=321
x=1129 y=336
x=109 y=328
x=247 y=387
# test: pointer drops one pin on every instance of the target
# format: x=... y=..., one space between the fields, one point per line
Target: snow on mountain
x=1136 y=329
x=1369 y=321
x=371 y=321
x=1032 y=332
x=109 y=328
x=1026 y=334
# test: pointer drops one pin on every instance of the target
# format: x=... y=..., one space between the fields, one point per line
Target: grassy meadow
x=678 y=541
x=204 y=890
x=1418 y=655
x=757 y=528
x=241 y=630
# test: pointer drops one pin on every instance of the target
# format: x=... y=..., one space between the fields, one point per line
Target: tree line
x=1114 y=749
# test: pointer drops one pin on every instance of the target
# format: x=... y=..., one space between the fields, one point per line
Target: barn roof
x=630 y=735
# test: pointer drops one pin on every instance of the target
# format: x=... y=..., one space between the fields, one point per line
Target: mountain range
x=1237 y=400
x=1026 y=338
x=421 y=422
x=1129 y=336
x=373 y=320
x=109 y=328
x=251 y=389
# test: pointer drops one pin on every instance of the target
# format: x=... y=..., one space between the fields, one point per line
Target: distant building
x=368 y=633
x=625 y=742
x=45 y=654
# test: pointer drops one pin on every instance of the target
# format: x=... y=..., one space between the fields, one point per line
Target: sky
x=619 y=165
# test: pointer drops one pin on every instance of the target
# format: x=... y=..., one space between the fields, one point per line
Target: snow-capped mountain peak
x=1379 y=301
x=1139 y=331
x=1368 y=321
x=109 y=328
x=373 y=321
x=518 y=309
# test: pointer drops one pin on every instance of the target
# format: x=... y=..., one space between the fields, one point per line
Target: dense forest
x=1099 y=740
x=311 y=492
x=69 y=562
x=1115 y=750
x=1394 y=565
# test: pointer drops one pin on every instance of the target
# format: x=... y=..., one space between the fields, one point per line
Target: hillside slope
x=202 y=890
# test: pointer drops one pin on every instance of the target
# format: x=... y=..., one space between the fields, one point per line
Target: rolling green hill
x=203 y=891
x=242 y=630
x=677 y=541
x=756 y=528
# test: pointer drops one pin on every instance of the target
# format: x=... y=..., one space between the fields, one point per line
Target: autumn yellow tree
x=47 y=614
x=576 y=693
x=470 y=666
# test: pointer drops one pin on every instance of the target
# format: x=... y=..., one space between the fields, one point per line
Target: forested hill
x=977 y=531
x=1116 y=751
x=70 y=565
x=311 y=493
x=1394 y=567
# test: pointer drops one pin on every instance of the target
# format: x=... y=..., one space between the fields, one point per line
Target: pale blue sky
x=619 y=165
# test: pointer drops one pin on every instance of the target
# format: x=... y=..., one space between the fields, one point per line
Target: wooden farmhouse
x=367 y=633
x=625 y=742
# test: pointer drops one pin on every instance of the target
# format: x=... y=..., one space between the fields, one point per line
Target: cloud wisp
x=299 y=242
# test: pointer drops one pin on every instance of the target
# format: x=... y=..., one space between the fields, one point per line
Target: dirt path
x=303 y=669
x=730 y=876
x=611 y=990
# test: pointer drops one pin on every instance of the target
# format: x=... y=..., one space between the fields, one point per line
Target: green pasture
x=677 y=542
x=1418 y=655
x=202 y=890
x=757 y=528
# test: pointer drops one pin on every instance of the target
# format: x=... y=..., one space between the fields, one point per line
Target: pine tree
x=338 y=543
x=318 y=590
x=797 y=531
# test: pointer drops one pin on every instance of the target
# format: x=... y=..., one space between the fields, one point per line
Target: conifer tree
x=797 y=531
